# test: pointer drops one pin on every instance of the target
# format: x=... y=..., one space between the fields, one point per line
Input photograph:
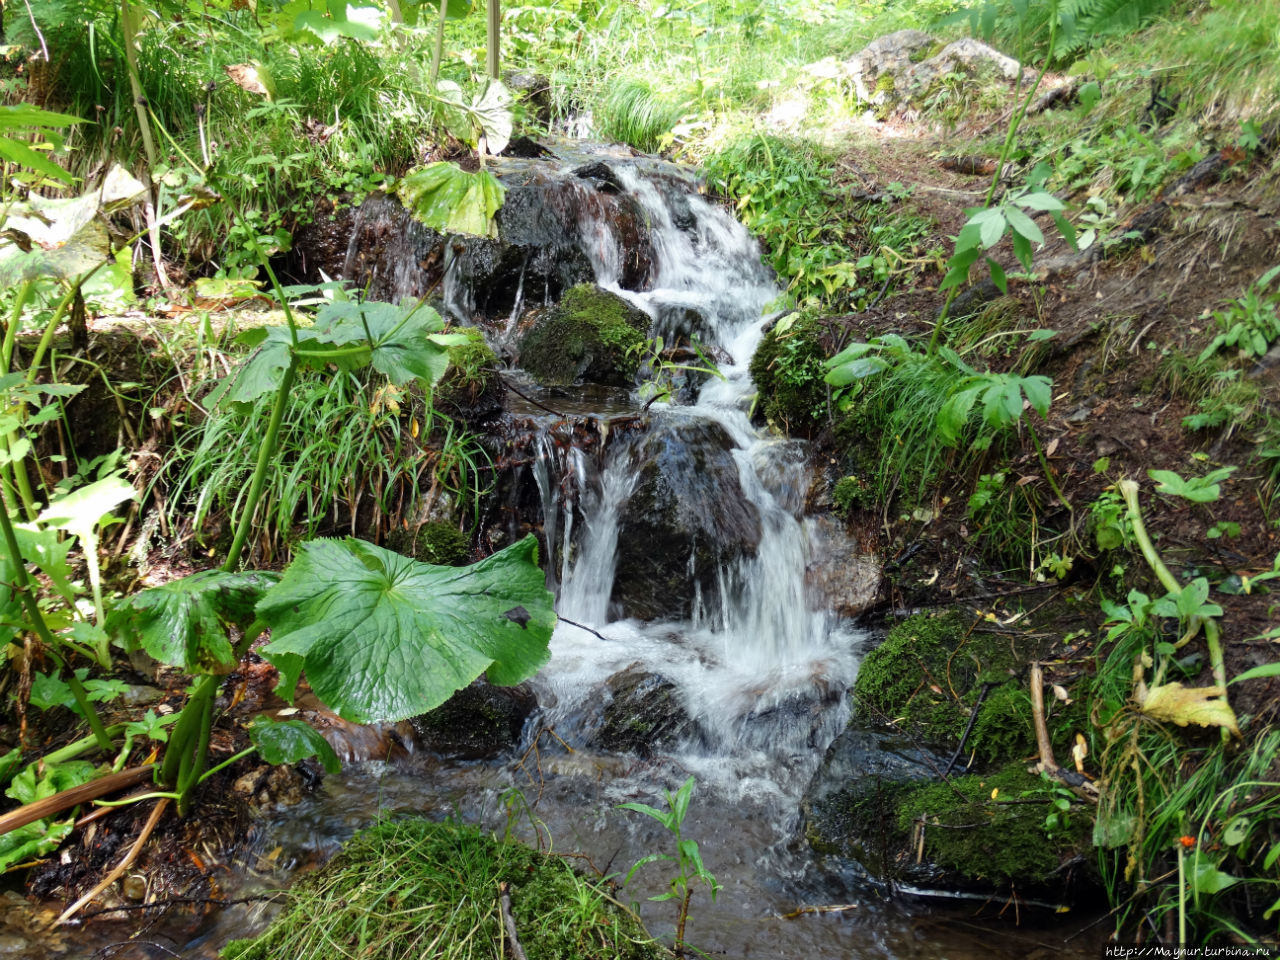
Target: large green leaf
x=288 y=741
x=402 y=348
x=184 y=622
x=384 y=637
x=80 y=511
x=447 y=198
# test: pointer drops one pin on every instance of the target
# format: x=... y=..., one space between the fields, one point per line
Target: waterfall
x=758 y=657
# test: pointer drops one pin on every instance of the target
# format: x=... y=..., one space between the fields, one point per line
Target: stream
x=752 y=662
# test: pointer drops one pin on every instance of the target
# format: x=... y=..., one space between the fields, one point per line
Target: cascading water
x=758 y=641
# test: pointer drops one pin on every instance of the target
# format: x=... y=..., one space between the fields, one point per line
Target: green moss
x=436 y=542
x=788 y=369
x=1000 y=839
x=928 y=674
x=1003 y=728
x=850 y=492
x=591 y=335
x=472 y=364
x=405 y=884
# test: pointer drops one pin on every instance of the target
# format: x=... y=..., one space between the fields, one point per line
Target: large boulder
x=592 y=335
x=875 y=68
x=687 y=515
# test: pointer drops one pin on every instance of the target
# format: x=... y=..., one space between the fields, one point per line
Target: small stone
x=135 y=887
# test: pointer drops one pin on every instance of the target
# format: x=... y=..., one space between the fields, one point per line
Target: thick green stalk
x=23 y=586
x=438 y=53
x=130 y=31
x=265 y=453
x=15 y=321
x=493 y=60
x=1212 y=634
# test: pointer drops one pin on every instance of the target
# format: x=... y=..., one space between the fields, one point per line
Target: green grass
x=408 y=889
x=355 y=456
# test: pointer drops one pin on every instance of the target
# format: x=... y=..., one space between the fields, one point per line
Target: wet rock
x=842 y=572
x=247 y=784
x=850 y=807
x=12 y=945
x=478 y=721
x=592 y=335
x=644 y=714
x=135 y=887
x=686 y=516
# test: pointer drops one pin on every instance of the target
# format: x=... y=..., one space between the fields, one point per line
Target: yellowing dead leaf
x=1206 y=706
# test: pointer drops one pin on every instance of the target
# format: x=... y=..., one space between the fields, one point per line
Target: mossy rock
x=471 y=388
x=991 y=829
x=592 y=335
x=928 y=674
x=407 y=883
x=789 y=368
x=435 y=542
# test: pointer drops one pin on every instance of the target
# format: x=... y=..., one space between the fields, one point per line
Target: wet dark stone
x=685 y=517
x=602 y=175
x=478 y=721
x=525 y=148
x=850 y=806
x=644 y=713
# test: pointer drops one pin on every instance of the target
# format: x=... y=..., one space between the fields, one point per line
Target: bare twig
x=537 y=403
x=1043 y=744
x=509 y=922
x=582 y=626
x=122 y=866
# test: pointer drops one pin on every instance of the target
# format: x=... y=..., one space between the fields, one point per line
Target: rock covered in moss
x=850 y=807
x=592 y=335
x=788 y=369
x=471 y=389
x=929 y=673
x=435 y=542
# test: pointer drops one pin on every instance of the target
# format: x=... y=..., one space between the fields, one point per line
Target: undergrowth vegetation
x=410 y=888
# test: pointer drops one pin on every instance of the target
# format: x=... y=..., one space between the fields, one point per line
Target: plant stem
x=23 y=586
x=494 y=37
x=438 y=54
x=1044 y=465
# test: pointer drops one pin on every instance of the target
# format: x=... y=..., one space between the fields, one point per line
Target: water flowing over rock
x=685 y=517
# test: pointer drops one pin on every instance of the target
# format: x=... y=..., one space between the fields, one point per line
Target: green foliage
x=1021 y=25
x=436 y=886
x=921 y=404
x=633 y=111
x=186 y=622
x=1249 y=323
x=850 y=492
x=449 y=199
x=988 y=225
x=1204 y=489
x=383 y=637
x=688 y=860
x=289 y=741
x=826 y=252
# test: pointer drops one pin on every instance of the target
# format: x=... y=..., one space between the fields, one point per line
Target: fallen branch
x=179 y=901
x=1043 y=744
x=121 y=867
x=509 y=922
x=830 y=908
x=75 y=796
